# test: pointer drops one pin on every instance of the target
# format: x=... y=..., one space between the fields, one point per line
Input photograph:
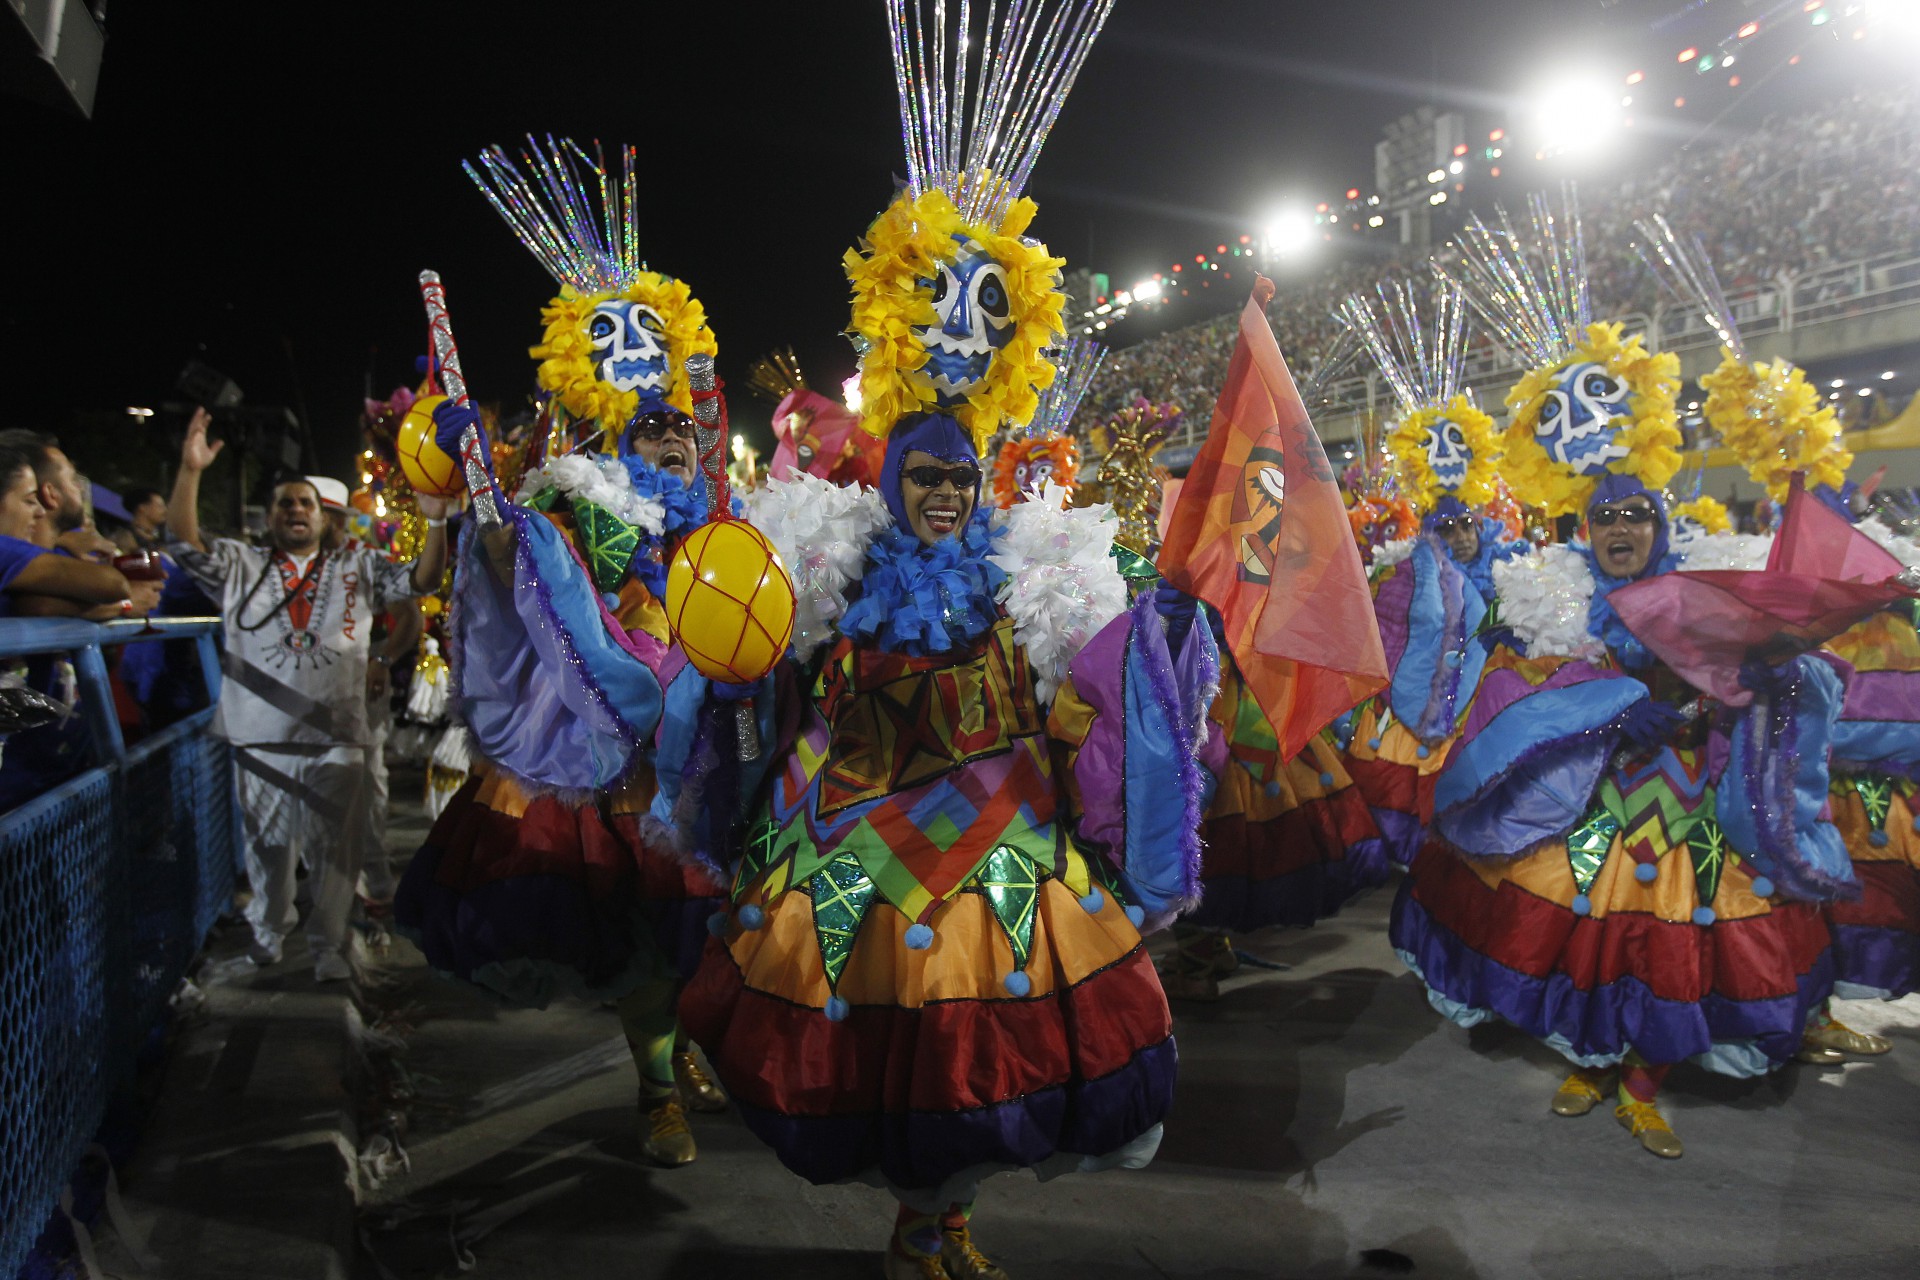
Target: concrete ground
x=1328 y=1124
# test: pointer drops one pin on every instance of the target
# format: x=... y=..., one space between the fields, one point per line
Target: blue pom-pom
x=1273 y=788
x=1762 y=887
x=919 y=937
x=717 y=924
x=1373 y=744
x=1703 y=916
x=837 y=1009
x=1326 y=779
x=1878 y=839
x=1646 y=873
x=1424 y=751
x=1093 y=900
x=1017 y=983
x=611 y=599
x=1582 y=905
x=1136 y=916
x=752 y=917
x=1916 y=822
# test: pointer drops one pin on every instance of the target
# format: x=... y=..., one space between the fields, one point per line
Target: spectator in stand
x=299 y=619
x=146 y=517
x=61 y=495
x=38 y=582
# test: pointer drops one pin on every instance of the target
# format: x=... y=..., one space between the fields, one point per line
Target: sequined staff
x=446 y=358
x=707 y=434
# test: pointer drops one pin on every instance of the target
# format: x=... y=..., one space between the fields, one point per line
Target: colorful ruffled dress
x=982 y=786
x=1876 y=805
x=541 y=877
x=1608 y=898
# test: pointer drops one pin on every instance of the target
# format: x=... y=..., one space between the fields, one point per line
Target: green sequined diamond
x=609 y=543
x=1876 y=796
x=841 y=893
x=1707 y=846
x=1013 y=890
x=1588 y=844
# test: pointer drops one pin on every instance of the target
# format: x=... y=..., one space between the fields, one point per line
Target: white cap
x=332 y=493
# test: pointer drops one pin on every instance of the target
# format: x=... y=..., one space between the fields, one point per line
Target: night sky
x=260 y=184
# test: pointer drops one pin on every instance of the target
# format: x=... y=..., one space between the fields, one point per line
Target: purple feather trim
x=688 y=836
x=1186 y=721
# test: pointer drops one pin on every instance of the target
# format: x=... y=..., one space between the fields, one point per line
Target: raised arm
x=196 y=455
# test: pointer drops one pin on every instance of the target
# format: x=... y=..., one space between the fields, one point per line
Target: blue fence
x=109 y=882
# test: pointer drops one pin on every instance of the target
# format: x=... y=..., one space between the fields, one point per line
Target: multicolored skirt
x=532 y=896
x=861 y=1045
x=1876 y=939
x=1646 y=934
x=1395 y=772
x=1287 y=852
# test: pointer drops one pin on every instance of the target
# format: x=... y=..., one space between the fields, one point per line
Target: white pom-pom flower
x=821 y=531
x=1543 y=599
x=1062 y=583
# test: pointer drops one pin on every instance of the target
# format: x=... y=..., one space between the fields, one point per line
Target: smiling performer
x=537 y=880
x=983 y=764
x=1593 y=876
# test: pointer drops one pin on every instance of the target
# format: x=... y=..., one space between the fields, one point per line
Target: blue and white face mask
x=974 y=319
x=630 y=346
x=1578 y=420
x=1447 y=453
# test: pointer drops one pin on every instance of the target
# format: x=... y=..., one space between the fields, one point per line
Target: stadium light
x=1894 y=17
x=1887 y=376
x=1575 y=113
x=850 y=393
x=1289 y=232
x=1146 y=290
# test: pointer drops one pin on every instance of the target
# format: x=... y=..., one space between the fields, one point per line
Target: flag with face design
x=1260 y=534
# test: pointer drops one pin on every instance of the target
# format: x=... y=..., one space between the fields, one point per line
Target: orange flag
x=1260 y=534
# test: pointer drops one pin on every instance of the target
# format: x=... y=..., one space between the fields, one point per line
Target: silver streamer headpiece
x=1074 y=364
x=1421 y=364
x=1682 y=266
x=1531 y=293
x=583 y=227
x=981 y=152
x=1316 y=385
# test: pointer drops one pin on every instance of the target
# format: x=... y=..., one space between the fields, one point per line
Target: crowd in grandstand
x=1795 y=194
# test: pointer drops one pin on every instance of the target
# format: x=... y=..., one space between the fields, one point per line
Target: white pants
x=376 y=878
x=301 y=805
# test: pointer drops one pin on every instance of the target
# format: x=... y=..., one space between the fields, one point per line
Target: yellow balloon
x=729 y=601
x=426 y=465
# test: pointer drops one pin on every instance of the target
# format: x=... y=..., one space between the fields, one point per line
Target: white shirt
x=297 y=636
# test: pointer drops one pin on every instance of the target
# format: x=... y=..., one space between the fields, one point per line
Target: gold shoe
x=1818 y=1055
x=914 y=1266
x=1644 y=1121
x=667 y=1139
x=963 y=1261
x=1840 y=1038
x=697 y=1088
x=1581 y=1093
x=1181 y=984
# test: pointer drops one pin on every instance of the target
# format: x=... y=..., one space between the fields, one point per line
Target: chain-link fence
x=108 y=883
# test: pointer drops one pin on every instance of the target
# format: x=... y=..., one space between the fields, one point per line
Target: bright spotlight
x=1146 y=289
x=1575 y=113
x=1898 y=18
x=1289 y=233
x=850 y=393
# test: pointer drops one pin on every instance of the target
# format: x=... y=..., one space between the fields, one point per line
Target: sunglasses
x=659 y=424
x=1453 y=524
x=965 y=476
x=1607 y=517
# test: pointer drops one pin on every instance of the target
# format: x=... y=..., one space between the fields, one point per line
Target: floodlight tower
x=1411 y=165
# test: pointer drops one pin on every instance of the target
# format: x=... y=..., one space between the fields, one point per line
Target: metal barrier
x=108 y=884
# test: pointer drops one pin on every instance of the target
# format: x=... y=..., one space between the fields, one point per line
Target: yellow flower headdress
x=1767 y=413
x=583 y=227
x=566 y=353
x=892 y=293
x=1647 y=431
x=1423 y=365
x=975 y=107
x=1407 y=442
x=1708 y=512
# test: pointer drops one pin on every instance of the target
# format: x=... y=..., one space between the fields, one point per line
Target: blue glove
x=1648 y=724
x=1767 y=681
x=450 y=422
x=1176 y=606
